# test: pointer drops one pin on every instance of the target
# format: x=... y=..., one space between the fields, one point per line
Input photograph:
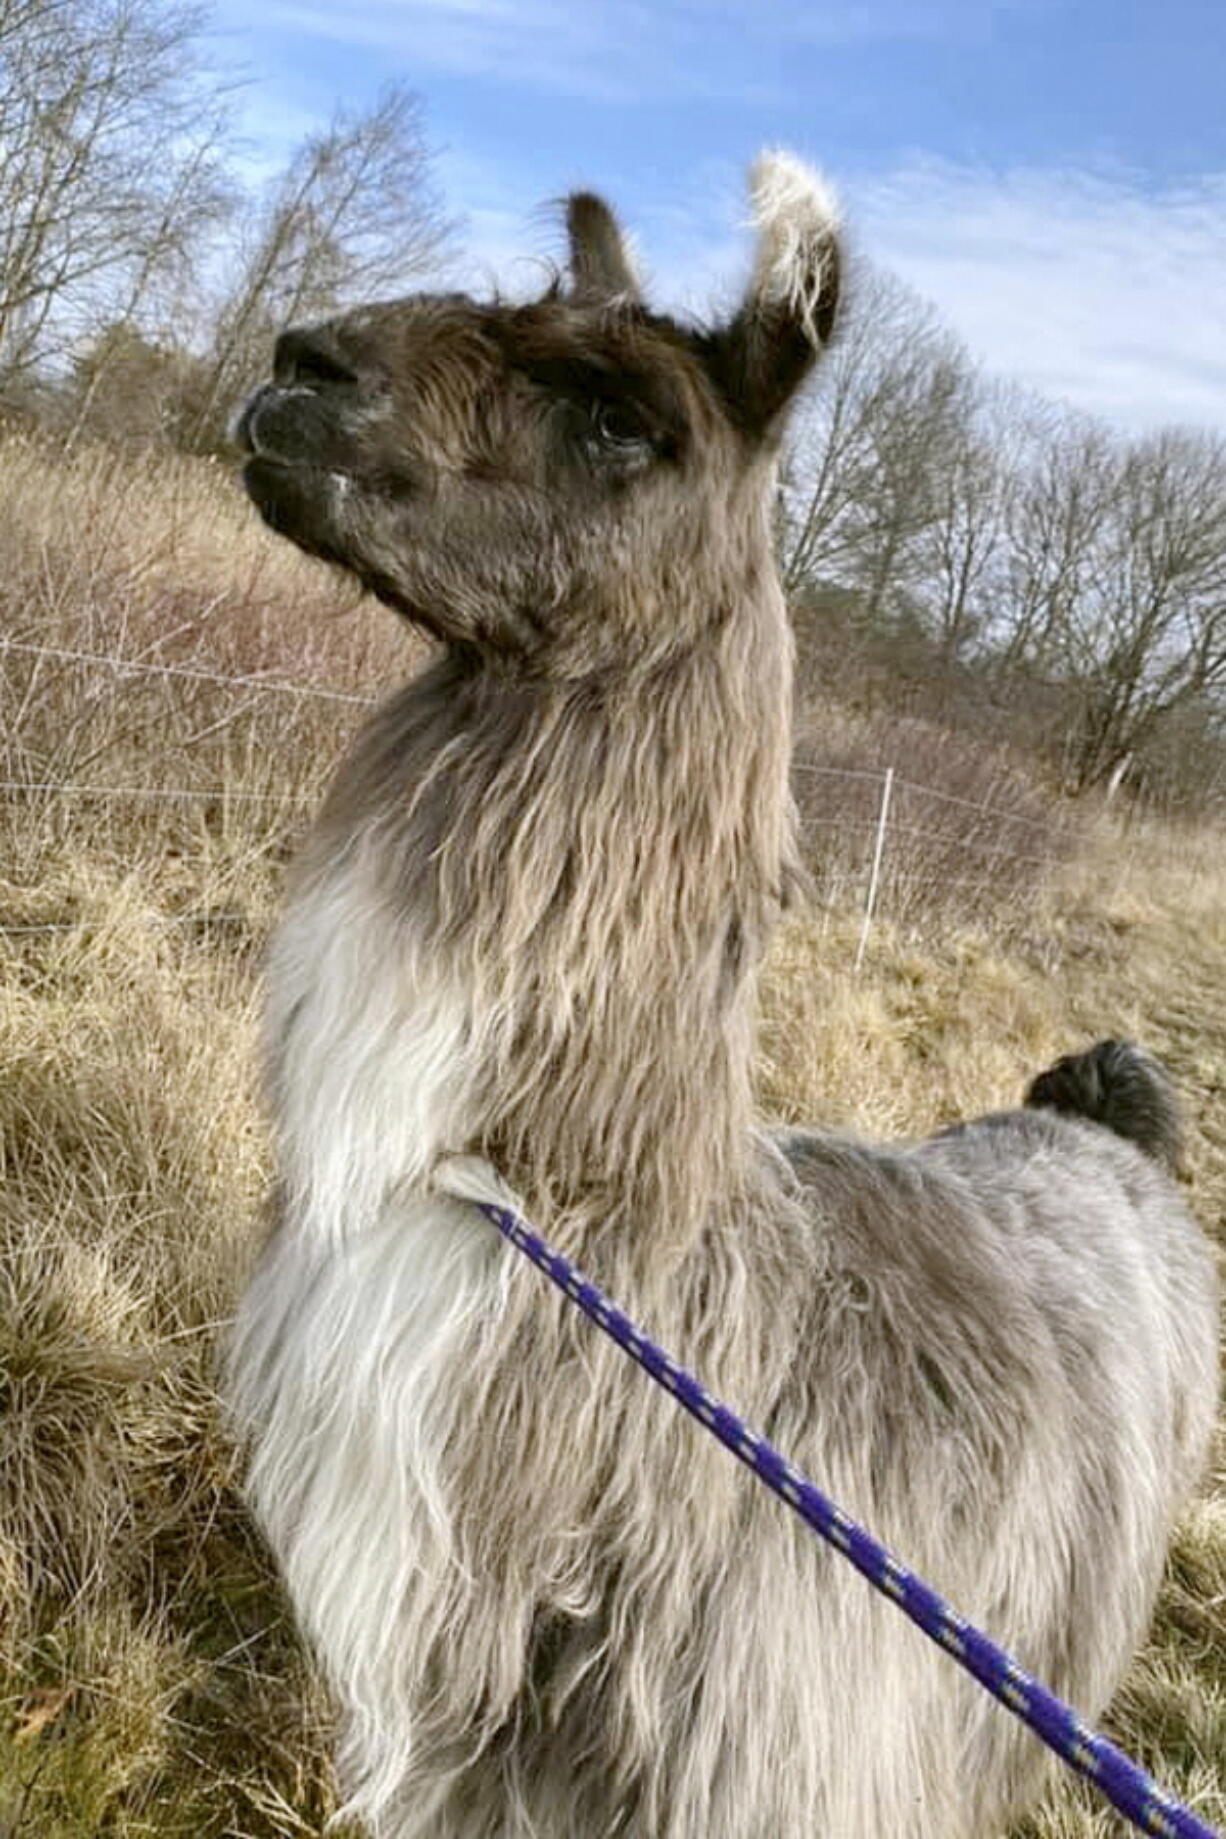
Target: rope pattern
x=1126 y=1786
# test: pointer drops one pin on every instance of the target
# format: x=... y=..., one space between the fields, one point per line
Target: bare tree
x=961 y=548
x=884 y=337
x=913 y=451
x=108 y=132
x=1029 y=541
x=872 y=470
x=1147 y=635
x=197 y=199
x=1063 y=485
x=1115 y=585
x=353 y=216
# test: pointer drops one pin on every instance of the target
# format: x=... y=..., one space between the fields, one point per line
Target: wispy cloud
x=630 y=51
x=1089 y=282
x=1090 y=287
x=1093 y=286
x=599 y=52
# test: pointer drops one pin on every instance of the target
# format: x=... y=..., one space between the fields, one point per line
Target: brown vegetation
x=955 y=556
x=150 y=1684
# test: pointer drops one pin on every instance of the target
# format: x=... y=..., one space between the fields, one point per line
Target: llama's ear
x=763 y=355
x=600 y=263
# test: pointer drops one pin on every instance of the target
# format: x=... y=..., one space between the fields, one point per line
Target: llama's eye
x=617 y=430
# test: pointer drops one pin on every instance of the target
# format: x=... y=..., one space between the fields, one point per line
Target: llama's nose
x=311 y=355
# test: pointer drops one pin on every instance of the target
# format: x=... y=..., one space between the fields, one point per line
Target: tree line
x=1045 y=573
x=1015 y=566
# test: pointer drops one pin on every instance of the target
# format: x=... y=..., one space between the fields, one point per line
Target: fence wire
x=136 y=667
x=873 y=834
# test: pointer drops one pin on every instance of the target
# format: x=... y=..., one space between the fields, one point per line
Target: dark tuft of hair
x=1119 y=1085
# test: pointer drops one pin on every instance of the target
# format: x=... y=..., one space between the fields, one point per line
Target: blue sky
x=1052 y=176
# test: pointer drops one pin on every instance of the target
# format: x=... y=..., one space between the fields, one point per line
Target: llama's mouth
x=293 y=428
x=245 y=429
x=298 y=501
x=295 y=473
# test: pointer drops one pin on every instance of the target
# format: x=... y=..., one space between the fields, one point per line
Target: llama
x=519 y=959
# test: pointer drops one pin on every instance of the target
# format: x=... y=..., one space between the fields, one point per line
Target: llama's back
x=1089 y=1163
x=1030 y=1325
x=1003 y=1363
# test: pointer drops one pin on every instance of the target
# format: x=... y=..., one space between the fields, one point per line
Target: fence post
x=878 y=847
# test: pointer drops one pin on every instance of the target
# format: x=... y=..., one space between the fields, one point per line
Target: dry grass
x=150 y=1680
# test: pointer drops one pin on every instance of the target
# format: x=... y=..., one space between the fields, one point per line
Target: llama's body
x=525 y=935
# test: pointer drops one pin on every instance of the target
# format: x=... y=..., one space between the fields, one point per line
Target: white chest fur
x=372 y=1049
x=347 y=1358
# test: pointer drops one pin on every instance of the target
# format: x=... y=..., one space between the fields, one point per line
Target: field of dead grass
x=150 y=1680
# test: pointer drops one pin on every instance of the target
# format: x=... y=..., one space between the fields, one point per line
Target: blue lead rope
x=1127 y=1787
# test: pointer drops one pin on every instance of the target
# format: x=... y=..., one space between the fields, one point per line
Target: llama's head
x=563 y=485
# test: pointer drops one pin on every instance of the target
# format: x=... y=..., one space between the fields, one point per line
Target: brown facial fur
x=543 y=482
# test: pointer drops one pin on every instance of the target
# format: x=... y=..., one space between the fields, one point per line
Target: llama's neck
x=597 y=871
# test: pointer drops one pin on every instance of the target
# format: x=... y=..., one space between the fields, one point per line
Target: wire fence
x=140 y=667
x=875 y=839
x=208 y=793
x=884 y=840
